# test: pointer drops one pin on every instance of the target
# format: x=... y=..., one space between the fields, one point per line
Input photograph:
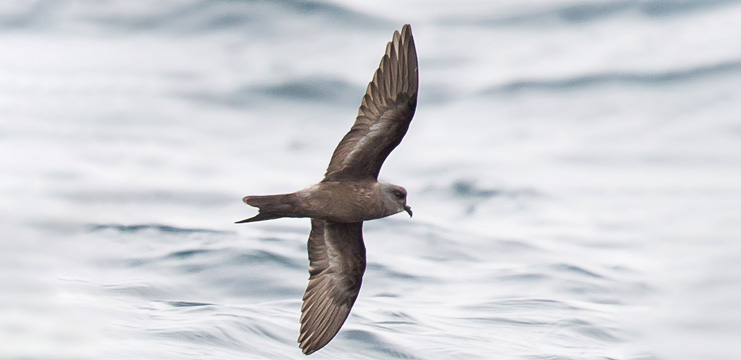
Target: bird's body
x=336 y=201
x=350 y=194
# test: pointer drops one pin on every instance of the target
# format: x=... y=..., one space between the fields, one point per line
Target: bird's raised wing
x=384 y=116
x=336 y=267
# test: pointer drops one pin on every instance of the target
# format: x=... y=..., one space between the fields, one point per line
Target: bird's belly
x=343 y=202
x=349 y=211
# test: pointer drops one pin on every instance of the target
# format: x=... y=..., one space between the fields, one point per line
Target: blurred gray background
x=573 y=166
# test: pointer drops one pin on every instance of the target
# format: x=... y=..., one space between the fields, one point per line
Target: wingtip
x=392 y=90
x=406 y=29
x=307 y=347
x=306 y=350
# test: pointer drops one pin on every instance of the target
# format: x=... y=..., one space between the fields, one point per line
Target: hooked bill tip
x=408 y=209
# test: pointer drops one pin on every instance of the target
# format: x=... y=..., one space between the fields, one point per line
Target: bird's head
x=397 y=196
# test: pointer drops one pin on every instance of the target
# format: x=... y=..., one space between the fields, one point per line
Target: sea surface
x=574 y=169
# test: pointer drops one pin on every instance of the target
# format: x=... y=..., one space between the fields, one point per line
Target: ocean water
x=573 y=167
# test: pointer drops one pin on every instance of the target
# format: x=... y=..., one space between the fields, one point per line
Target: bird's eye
x=399 y=194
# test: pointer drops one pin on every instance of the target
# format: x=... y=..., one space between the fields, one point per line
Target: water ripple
x=576 y=270
x=588 y=329
x=328 y=90
x=586 y=12
x=155 y=227
x=206 y=16
x=601 y=79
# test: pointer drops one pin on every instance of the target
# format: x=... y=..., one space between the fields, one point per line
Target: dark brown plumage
x=350 y=194
x=384 y=115
x=337 y=263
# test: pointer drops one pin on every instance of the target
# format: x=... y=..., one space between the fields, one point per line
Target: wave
x=606 y=78
x=469 y=189
x=594 y=11
x=315 y=89
x=145 y=227
x=190 y=17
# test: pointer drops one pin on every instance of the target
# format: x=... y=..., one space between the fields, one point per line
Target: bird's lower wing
x=337 y=264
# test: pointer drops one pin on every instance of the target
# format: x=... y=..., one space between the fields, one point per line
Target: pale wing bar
x=384 y=115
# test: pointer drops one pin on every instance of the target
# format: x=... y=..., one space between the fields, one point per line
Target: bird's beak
x=408 y=210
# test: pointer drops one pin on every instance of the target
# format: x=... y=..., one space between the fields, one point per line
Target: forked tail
x=271 y=207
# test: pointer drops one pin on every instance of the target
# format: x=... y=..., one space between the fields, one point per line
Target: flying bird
x=350 y=194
